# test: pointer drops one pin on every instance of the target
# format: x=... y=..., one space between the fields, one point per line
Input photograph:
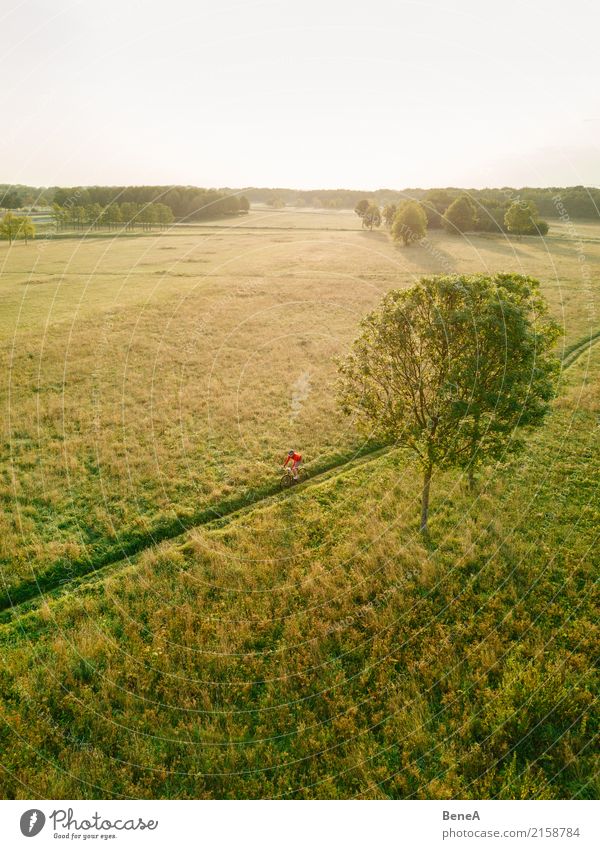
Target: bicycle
x=288 y=478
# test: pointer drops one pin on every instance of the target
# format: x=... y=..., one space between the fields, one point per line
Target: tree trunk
x=425 y=499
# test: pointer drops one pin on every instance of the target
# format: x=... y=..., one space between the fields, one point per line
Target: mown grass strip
x=576 y=349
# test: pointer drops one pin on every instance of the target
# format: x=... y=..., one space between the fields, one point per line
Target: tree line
x=186 y=203
x=81 y=209
x=193 y=203
x=409 y=220
x=579 y=201
x=126 y=216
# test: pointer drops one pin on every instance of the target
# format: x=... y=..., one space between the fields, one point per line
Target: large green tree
x=361 y=207
x=410 y=223
x=452 y=368
x=461 y=215
x=522 y=219
x=389 y=211
x=372 y=216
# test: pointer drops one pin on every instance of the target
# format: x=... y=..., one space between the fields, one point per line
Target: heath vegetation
x=315 y=643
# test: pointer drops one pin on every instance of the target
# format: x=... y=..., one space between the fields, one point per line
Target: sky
x=306 y=94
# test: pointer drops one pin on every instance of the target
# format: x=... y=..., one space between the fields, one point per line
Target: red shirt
x=293 y=458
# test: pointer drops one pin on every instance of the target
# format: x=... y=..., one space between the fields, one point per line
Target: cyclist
x=295 y=459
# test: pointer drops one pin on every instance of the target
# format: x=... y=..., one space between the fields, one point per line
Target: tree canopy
x=389 y=211
x=461 y=215
x=185 y=202
x=522 y=218
x=452 y=369
x=16 y=227
x=189 y=201
x=578 y=201
x=114 y=215
x=11 y=199
x=435 y=202
x=361 y=207
x=372 y=216
x=410 y=223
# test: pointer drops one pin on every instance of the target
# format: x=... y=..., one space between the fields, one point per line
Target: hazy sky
x=313 y=93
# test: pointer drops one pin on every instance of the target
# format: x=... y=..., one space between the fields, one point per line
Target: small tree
x=9 y=227
x=115 y=217
x=389 y=211
x=17 y=227
x=79 y=216
x=129 y=214
x=372 y=216
x=106 y=218
x=522 y=219
x=148 y=216
x=410 y=223
x=93 y=215
x=461 y=215
x=451 y=368
x=58 y=216
x=27 y=229
x=361 y=208
x=244 y=203
x=164 y=214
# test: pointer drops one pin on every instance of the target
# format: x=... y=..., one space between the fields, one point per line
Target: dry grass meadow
x=312 y=645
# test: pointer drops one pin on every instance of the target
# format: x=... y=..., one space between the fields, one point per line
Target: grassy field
x=310 y=645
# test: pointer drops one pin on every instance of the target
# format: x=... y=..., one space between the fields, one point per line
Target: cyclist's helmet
x=290 y=453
